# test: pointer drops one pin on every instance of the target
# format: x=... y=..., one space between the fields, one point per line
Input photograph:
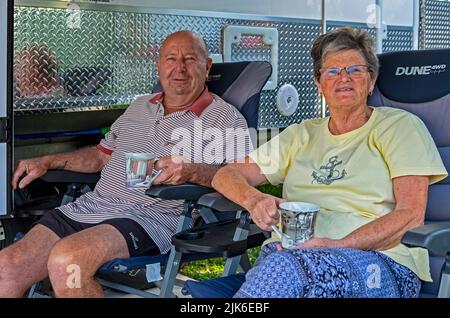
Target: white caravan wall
x=396 y=12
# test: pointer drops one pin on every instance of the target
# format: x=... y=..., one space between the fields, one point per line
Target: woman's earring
x=370 y=93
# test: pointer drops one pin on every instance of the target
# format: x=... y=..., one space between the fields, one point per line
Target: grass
x=212 y=268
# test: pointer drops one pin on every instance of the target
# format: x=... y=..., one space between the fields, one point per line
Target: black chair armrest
x=218 y=238
x=433 y=237
x=187 y=191
x=70 y=176
x=218 y=202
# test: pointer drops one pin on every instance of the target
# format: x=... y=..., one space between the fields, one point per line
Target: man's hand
x=85 y=160
x=32 y=169
x=175 y=170
x=264 y=210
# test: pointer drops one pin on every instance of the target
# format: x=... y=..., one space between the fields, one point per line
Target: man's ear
x=208 y=66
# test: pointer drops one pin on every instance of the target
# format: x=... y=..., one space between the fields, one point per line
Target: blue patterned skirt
x=328 y=273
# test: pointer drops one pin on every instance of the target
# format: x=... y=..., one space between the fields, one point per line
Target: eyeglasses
x=354 y=71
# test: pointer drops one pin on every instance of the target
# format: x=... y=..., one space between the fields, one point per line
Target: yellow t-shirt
x=350 y=175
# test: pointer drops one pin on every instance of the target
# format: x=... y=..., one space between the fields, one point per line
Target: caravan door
x=6 y=23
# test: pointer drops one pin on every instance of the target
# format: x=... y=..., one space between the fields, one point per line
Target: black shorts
x=138 y=241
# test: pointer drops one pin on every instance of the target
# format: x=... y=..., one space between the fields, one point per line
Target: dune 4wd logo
x=420 y=70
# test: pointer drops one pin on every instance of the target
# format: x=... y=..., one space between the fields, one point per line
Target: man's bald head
x=197 y=40
x=183 y=67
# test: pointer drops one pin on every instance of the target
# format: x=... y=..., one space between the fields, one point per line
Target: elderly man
x=114 y=221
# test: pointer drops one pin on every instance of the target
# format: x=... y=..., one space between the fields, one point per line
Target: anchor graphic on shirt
x=328 y=174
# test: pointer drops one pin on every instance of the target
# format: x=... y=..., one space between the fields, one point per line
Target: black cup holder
x=189 y=236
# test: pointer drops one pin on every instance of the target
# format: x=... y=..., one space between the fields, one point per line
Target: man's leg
x=75 y=259
x=25 y=262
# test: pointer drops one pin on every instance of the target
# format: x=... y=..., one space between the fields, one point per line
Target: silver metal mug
x=297 y=222
x=139 y=170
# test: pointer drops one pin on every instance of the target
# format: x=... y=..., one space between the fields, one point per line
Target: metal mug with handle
x=297 y=222
x=139 y=169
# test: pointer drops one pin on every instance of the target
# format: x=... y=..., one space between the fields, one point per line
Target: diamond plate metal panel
x=435 y=24
x=134 y=54
x=124 y=46
x=398 y=39
x=97 y=63
x=294 y=67
x=210 y=28
x=108 y=58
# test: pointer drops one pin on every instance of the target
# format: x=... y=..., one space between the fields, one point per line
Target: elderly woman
x=367 y=168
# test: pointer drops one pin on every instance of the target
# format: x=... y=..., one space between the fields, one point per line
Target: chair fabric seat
x=136 y=262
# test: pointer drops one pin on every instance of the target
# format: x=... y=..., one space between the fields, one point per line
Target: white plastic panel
x=233 y=35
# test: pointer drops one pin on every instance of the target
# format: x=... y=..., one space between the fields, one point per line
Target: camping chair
x=417 y=81
x=240 y=84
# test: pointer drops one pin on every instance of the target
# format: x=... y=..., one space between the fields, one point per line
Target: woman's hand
x=264 y=210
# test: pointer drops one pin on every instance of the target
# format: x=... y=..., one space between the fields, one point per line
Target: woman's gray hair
x=342 y=39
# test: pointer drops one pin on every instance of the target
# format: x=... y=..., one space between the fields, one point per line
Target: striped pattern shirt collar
x=197 y=106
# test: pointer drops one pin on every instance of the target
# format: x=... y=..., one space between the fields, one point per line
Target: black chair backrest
x=419 y=82
x=240 y=84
